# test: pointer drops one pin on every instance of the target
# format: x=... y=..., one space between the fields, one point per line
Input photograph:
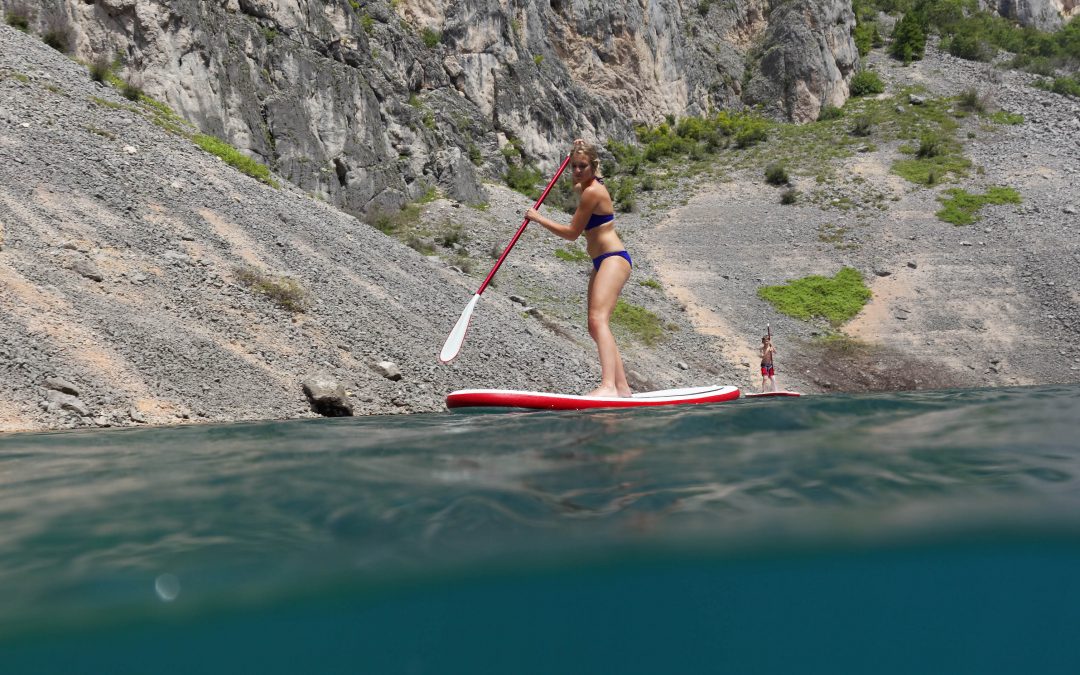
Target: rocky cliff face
x=369 y=103
x=1041 y=14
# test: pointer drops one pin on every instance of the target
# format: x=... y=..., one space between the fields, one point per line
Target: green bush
x=1066 y=86
x=131 y=92
x=930 y=145
x=909 y=37
x=864 y=125
x=523 y=179
x=829 y=112
x=100 y=68
x=866 y=82
x=431 y=38
x=776 y=174
x=18 y=16
x=971 y=101
x=835 y=299
x=789 y=196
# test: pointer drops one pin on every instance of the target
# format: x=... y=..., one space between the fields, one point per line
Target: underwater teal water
x=917 y=532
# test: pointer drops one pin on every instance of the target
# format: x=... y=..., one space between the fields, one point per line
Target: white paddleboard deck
x=535 y=400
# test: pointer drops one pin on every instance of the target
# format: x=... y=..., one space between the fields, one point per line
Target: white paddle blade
x=453 y=343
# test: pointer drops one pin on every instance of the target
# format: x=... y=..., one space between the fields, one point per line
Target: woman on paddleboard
x=611 y=263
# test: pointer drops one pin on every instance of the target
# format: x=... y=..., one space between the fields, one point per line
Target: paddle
x=457 y=335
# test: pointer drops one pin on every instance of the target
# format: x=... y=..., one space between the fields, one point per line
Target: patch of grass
x=102 y=132
x=835 y=299
x=571 y=254
x=651 y=283
x=105 y=103
x=284 y=291
x=638 y=321
x=233 y=157
x=396 y=222
x=962 y=208
x=1005 y=117
x=931 y=171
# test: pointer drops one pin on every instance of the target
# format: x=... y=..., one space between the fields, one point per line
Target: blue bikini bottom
x=600 y=258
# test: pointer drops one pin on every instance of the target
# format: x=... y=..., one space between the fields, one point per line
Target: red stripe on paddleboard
x=502 y=398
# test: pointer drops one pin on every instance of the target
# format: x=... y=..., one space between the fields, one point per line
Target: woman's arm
x=581 y=217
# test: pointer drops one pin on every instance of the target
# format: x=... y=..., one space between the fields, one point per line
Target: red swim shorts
x=768 y=371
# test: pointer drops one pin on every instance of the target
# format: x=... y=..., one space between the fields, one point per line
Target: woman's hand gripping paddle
x=457 y=335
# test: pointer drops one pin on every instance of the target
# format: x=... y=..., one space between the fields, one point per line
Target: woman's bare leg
x=604 y=288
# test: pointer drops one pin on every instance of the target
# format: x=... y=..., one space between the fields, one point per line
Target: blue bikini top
x=596 y=220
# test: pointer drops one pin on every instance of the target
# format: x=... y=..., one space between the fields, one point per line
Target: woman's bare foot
x=609 y=392
x=599 y=392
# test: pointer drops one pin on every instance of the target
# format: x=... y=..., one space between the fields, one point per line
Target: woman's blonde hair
x=589 y=150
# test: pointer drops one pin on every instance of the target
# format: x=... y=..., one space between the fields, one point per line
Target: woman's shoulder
x=597 y=191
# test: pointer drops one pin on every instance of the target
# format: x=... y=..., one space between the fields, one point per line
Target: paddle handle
x=521 y=229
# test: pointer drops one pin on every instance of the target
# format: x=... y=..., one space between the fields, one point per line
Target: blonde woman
x=611 y=263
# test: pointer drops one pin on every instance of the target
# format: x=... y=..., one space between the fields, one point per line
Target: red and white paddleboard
x=535 y=400
x=772 y=393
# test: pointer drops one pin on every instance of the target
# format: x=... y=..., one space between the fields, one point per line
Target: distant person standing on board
x=611 y=263
x=768 y=370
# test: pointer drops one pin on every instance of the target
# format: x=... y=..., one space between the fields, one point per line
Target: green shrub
x=835 y=299
x=789 y=196
x=523 y=179
x=864 y=125
x=962 y=208
x=18 y=16
x=866 y=82
x=131 y=91
x=776 y=174
x=234 y=158
x=284 y=291
x=475 y=156
x=651 y=283
x=971 y=101
x=909 y=37
x=829 y=112
x=431 y=38
x=1066 y=86
x=58 y=34
x=100 y=68
x=864 y=37
x=930 y=145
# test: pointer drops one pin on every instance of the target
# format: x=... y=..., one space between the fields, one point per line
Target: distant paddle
x=457 y=335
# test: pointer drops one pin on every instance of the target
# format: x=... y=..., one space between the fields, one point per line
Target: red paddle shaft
x=521 y=229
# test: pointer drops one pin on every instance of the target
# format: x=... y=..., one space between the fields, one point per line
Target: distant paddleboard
x=773 y=393
x=535 y=400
